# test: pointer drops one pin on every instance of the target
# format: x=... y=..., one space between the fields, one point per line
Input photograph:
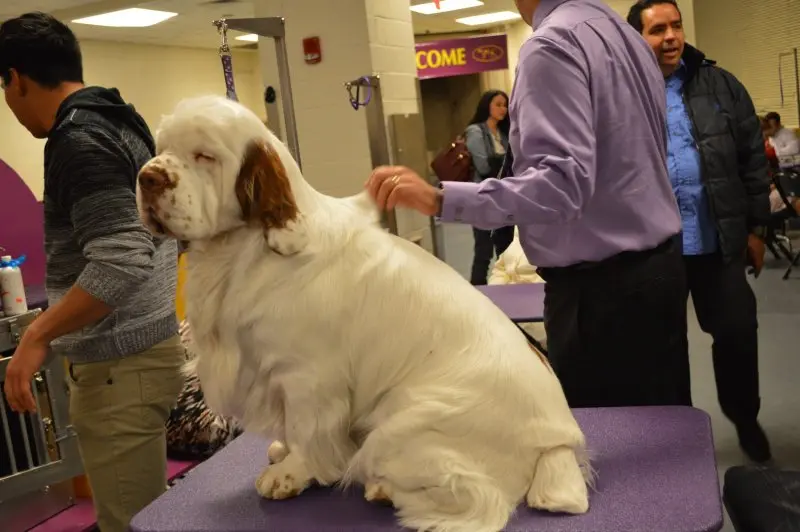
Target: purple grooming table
x=523 y=303
x=656 y=473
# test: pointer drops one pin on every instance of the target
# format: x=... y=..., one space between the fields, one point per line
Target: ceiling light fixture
x=444 y=6
x=250 y=37
x=127 y=18
x=489 y=18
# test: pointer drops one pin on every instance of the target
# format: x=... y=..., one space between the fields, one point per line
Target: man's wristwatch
x=439 y=202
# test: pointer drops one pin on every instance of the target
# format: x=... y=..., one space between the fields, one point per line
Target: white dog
x=370 y=359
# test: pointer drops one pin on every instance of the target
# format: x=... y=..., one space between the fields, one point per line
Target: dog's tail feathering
x=468 y=501
x=434 y=487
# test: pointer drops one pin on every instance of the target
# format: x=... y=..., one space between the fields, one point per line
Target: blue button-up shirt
x=588 y=134
x=685 y=172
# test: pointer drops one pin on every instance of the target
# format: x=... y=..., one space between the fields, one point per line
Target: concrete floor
x=779 y=341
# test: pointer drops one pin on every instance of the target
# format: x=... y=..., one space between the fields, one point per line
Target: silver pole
x=378 y=136
x=7 y=437
x=288 y=101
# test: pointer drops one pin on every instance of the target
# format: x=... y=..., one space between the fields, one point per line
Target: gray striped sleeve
x=95 y=178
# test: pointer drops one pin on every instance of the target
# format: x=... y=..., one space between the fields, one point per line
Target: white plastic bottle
x=12 y=288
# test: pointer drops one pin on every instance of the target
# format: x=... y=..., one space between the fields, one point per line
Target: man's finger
x=394 y=197
x=376 y=180
x=7 y=390
x=372 y=185
x=381 y=173
x=384 y=192
x=11 y=393
x=27 y=399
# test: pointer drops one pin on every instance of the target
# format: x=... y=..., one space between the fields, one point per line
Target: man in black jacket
x=718 y=170
x=110 y=284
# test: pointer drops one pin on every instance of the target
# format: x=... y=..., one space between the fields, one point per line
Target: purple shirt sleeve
x=553 y=142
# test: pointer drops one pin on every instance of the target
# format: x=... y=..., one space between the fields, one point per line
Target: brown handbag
x=454 y=163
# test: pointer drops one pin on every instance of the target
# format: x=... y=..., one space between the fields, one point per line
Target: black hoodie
x=93 y=122
x=94 y=238
x=109 y=104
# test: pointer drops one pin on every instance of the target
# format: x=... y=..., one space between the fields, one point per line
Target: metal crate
x=38 y=452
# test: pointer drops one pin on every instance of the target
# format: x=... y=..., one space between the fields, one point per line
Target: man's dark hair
x=41 y=47
x=636 y=10
x=773 y=116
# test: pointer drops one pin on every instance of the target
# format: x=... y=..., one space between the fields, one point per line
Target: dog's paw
x=283 y=480
x=378 y=492
x=277 y=452
x=290 y=240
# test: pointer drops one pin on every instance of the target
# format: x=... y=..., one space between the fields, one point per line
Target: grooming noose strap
x=227 y=62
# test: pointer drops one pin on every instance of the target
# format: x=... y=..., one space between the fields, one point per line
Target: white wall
x=748 y=38
x=517 y=33
x=358 y=38
x=153 y=78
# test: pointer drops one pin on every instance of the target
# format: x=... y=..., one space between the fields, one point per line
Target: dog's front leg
x=318 y=446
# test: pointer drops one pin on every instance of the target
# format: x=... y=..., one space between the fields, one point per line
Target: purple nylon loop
x=227 y=69
x=227 y=63
x=354 y=99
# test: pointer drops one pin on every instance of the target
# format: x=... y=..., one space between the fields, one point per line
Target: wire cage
x=38 y=451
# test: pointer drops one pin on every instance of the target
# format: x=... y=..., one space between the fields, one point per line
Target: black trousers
x=726 y=309
x=488 y=244
x=616 y=329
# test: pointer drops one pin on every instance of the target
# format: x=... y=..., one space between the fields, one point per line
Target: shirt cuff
x=456 y=199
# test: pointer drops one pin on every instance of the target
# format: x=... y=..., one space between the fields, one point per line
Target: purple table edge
x=522 y=303
x=656 y=473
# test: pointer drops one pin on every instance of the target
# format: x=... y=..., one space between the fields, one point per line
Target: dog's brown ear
x=263 y=188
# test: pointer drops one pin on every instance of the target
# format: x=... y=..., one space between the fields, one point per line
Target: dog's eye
x=204 y=157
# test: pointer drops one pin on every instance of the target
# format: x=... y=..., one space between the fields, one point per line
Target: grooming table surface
x=656 y=473
x=523 y=303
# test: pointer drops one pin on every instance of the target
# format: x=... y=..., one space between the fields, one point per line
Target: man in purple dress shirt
x=592 y=198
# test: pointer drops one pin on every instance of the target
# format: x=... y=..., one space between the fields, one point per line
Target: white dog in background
x=371 y=360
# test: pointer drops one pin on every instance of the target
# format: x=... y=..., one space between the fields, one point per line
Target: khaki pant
x=119 y=409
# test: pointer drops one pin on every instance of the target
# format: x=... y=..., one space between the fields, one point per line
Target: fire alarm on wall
x=312 y=50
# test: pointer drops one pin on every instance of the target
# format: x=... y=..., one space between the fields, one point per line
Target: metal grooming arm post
x=275 y=28
x=376 y=128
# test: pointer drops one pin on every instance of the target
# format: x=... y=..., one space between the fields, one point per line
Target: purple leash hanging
x=227 y=63
x=355 y=100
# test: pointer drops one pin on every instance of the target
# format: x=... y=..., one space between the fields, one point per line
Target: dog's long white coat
x=374 y=361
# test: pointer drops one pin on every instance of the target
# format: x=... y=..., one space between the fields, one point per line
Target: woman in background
x=487 y=142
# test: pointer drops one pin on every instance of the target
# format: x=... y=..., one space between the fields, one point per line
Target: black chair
x=787 y=183
x=762 y=499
